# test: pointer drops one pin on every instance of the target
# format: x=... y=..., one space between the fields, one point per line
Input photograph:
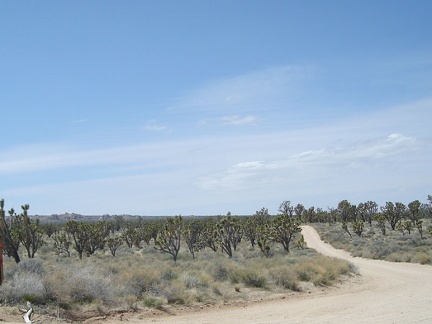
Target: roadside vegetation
x=73 y=268
x=394 y=232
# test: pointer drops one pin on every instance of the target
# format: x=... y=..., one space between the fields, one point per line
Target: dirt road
x=388 y=293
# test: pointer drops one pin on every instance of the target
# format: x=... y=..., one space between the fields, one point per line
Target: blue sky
x=205 y=107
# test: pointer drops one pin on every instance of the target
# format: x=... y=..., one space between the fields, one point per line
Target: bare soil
x=384 y=292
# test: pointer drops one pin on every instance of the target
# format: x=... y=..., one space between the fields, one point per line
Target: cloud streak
x=153 y=126
x=258 y=91
x=312 y=164
x=238 y=120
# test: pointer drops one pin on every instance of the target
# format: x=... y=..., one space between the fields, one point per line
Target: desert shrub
x=285 y=278
x=87 y=285
x=175 y=293
x=132 y=302
x=193 y=279
x=32 y=266
x=399 y=257
x=216 y=289
x=140 y=280
x=169 y=274
x=307 y=271
x=235 y=274
x=153 y=302
x=253 y=278
x=422 y=257
x=23 y=286
x=24 y=282
x=321 y=270
x=80 y=285
x=220 y=272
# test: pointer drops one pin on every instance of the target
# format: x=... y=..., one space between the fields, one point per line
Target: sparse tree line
x=396 y=216
x=219 y=233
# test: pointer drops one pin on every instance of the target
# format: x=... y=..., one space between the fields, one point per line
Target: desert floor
x=384 y=292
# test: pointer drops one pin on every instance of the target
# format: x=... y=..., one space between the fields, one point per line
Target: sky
x=208 y=107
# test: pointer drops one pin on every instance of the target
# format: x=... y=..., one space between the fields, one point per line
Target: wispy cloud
x=258 y=91
x=27 y=159
x=370 y=156
x=313 y=164
x=238 y=120
x=154 y=126
x=231 y=120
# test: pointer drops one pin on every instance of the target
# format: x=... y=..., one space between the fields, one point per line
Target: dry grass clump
x=79 y=284
x=285 y=277
x=321 y=270
x=394 y=246
x=24 y=282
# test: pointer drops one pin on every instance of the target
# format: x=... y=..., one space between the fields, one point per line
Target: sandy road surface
x=385 y=292
x=389 y=293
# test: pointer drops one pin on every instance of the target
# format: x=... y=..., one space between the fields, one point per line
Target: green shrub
x=252 y=278
x=153 y=302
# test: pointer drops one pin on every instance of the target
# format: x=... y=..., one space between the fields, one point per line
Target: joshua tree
x=30 y=232
x=419 y=225
x=228 y=234
x=284 y=228
x=192 y=234
x=414 y=210
x=367 y=211
x=264 y=238
x=358 y=227
x=80 y=234
x=114 y=243
x=62 y=243
x=169 y=237
x=393 y=213
x=346 y=229
x=286 y=208
x=9 y=233
x=381 y=220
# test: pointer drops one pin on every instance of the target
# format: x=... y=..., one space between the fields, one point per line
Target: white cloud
x=357 y=157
